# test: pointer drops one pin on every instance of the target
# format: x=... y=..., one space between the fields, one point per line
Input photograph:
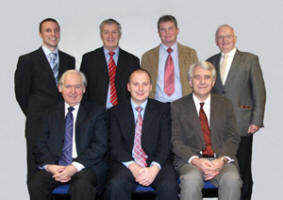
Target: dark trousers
x=244 y=156
x=121 y=183
x=82 y=185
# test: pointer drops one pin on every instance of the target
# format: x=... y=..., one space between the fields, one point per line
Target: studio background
x=258 y=25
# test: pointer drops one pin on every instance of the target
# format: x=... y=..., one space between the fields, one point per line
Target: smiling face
x=225 y=39
x=50 y=34
x=139 y=86
x=202 y=82
x=72 y=89
x=110 y=36
x=168 y=33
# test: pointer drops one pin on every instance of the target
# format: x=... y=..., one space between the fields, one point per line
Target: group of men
x=114 y=119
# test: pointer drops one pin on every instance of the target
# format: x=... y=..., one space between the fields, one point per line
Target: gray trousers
x=228 y=182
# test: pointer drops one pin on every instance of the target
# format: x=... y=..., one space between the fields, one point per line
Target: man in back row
x=36 y=79
x=240 y=79
x=168 y=63
x=107 y=68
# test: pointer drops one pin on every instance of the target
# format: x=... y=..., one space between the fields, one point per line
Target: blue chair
x=209 y=190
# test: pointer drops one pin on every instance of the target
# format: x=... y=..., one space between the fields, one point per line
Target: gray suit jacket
x=186 y=56
x=244 y=86
x=187 y=136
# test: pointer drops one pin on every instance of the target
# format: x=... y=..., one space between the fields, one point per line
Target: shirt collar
x=174 y=47
x=206 y=101
x=106 y=51
x=143 y=105
x=76 y=107
x=47 y=51
x=230 y=53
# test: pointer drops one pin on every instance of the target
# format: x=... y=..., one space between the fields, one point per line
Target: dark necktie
x=112 y=74
x=139 y=155
x=169 y=74
x=206 y=132
x=66 y=156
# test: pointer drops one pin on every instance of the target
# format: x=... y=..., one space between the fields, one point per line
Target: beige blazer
x=187 y=56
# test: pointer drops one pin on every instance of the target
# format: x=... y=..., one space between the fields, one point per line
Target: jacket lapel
x=81 y=116
x=233 y=69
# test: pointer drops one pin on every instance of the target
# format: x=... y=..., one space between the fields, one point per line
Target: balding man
x=239 y=77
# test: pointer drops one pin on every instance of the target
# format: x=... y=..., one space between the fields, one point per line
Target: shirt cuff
x=156 y=163
x=230 y=160
x=78 y=166
x=126 y=164
x=191 y=158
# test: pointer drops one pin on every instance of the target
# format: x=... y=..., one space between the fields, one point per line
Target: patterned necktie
x=169 y=74
x=54 y=65
x=223 y=67
x=66 y=157
x=112 y=74
x=206 y=132
x=138 y=153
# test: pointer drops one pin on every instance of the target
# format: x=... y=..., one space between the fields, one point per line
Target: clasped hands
x=61 y=173
x=144 y=175
x=209 y=168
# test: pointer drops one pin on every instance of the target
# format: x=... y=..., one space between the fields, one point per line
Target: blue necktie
x=66 y=157
x=54 y=65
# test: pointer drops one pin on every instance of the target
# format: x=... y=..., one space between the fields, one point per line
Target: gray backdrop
x=257 y=24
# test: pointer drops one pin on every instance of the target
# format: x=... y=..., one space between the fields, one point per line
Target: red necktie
x=112 y=73
x=169 y=74
x=139 y=155
x=206 y=132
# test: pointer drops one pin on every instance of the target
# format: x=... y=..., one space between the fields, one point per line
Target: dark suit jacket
x=186 y=56
x=94 y=66
x=244 y=86
x=91 y=137
x=155 y=132
x=187 y=135
x=35 y=85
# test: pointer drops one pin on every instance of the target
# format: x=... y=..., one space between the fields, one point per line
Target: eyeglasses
x=221 y=37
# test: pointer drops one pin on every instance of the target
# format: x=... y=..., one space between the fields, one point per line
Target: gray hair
x=224 y=25
x=72 y=71
x=109 y=22
x=204 y=65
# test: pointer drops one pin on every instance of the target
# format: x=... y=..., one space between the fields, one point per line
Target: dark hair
x=48 y=20
x=166 y=18
x=140 y=70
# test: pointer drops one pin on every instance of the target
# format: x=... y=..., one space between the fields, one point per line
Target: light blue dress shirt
x=107 y=57
x=160 y=94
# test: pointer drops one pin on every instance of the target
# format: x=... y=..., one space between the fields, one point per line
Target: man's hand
x=55 y=169
x=135 y=169
x=148 y=175
x=208 y=168
x=253 y=128
x=65 y=175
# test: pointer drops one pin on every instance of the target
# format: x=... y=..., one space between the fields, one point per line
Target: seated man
x=71 y=144
x=205 y=138
x=140 y=144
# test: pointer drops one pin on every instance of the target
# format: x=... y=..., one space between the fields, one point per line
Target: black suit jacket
x=35 y=85
x=91 y=137
x=94 y=66
x=156 y=132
